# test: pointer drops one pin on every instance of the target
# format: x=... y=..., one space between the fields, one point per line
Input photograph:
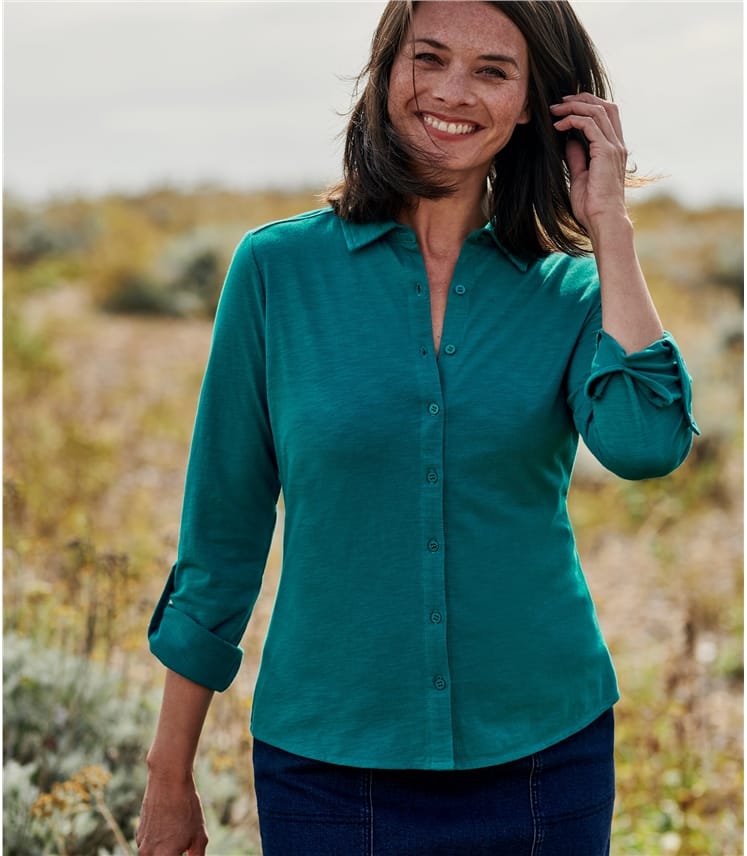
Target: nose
x=454 y=86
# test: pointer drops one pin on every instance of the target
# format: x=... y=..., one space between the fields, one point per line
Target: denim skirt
x=557 y=802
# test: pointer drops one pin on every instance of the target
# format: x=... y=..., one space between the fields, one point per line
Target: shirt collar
x=517 y=261
x=358 y=235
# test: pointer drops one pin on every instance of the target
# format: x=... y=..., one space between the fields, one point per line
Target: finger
x=139 y=832
x=586 y=96
x=610 y=108
x=199 y=844
x=600 y=148
x=593 y=111
x=589 y=129
x=575 y=156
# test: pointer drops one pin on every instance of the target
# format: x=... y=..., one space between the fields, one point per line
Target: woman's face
x=459 y=85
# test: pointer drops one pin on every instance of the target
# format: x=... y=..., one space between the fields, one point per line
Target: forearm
x=183 y=709
x=628 y=312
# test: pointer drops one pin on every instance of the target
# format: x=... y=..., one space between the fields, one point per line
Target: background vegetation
x=107 y=310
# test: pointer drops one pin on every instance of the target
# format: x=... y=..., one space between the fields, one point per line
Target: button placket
x=435 y=569
x=454 y=320
x=435 y=674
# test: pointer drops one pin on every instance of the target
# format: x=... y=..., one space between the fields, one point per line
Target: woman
x=413 y=366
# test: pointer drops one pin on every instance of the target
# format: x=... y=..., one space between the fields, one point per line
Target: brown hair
x=530 y=205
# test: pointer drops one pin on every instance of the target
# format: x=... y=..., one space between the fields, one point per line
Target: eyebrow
x=489 y=57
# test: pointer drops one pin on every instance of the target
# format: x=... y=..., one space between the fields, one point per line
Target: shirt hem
x=491 y=760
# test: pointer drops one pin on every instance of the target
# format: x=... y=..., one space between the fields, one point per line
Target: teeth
x=448 y=127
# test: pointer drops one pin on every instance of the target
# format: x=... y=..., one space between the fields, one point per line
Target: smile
x=455 y=128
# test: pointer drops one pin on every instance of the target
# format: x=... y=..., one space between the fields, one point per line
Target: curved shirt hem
x=492 y=760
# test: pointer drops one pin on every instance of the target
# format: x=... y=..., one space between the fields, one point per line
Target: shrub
x=74 y=745
x=194 y=265
x=35 y=232
x=135 y=293
x=184 y=280
x=63 y=714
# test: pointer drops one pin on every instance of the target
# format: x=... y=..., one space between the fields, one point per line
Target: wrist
x=165 y=766
x=612 y=227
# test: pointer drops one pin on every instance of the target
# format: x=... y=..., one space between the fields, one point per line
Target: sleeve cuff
x=188 y=648
x=658 y=372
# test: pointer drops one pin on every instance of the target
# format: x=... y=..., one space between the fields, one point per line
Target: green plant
x=74 y=742
x=69 y=810
x=135 y=293
x=63 y=714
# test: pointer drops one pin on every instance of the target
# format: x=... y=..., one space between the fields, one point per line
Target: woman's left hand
x=598 y=200
x=597 y=183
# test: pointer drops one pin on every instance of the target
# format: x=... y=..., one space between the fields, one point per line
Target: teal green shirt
x=431 y=611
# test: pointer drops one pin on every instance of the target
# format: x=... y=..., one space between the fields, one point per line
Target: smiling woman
x=527 y=173
x=413 y=367
x=467 y=99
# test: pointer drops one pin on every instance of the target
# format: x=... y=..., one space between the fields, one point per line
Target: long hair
x=528 y=183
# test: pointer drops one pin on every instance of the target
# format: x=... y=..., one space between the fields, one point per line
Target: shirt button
x=432 y=476
x=419 y=287
x=459 y=289
x=434 y=546
x=433 y=408
x=436 y=617
x=450 y=349
x=439 y=682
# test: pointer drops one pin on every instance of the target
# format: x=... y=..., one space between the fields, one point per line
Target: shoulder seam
x=306 y=215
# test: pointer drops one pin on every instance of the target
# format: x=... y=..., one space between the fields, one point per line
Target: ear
x=525 y=115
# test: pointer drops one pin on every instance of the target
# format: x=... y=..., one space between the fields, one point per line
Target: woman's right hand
x=171 y=818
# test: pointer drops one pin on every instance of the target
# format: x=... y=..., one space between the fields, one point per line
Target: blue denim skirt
x=557 y=802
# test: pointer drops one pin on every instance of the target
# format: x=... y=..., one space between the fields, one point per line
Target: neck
x=440 y=224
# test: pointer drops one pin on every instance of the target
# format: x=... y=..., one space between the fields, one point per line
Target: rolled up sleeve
x=634 y=411
x=230 y=496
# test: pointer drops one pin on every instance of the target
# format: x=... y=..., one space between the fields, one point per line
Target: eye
x=493 y=71
x=427 y=57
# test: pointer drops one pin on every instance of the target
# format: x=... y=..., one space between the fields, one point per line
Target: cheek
x=516 y=111
x=404 y=79
x=525 y=113
x=400 y=90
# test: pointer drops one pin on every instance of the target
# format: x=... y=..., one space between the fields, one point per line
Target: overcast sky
x=105 y=96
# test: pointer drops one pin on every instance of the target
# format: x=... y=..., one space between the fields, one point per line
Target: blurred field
x=107 y=315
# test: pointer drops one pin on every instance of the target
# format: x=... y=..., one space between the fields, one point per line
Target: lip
x=449 y=127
